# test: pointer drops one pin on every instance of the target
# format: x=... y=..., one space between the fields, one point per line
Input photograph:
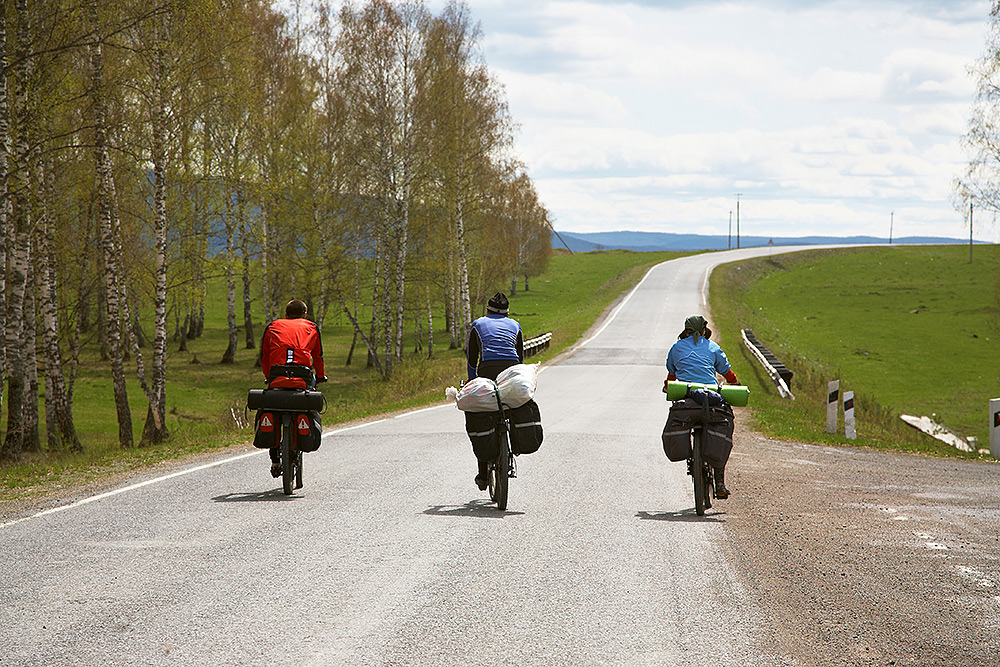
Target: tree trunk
x=464 y=305
x=230 y=355
x=5 y=209
x=19 y=226
x=248 y=336
x=430 y=325
x=372 y=349
x=401 y=248
x=155 y=429
x=59 y=427
x=32 y=442
x=373 y=330
x=105 y=184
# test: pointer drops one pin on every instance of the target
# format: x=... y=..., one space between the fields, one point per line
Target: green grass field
x=910 y=329
x=203 y=395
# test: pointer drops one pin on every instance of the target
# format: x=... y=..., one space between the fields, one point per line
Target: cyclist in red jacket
x=293 y=340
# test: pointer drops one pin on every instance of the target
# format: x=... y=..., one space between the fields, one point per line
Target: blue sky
x=829 y=117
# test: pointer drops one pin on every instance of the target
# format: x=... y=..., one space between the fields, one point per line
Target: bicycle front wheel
x=287 y=455
x=501 y=473
x=698 y=474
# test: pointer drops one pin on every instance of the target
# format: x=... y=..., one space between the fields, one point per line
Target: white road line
x=102 y=496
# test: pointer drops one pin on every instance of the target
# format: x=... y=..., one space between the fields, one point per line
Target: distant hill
x=649 y=241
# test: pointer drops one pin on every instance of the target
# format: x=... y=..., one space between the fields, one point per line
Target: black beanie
x=498 y=304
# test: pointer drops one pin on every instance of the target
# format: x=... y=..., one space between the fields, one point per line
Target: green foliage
x=910 y=330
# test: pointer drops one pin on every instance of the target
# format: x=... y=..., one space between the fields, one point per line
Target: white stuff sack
x=476 y=395
x=517 y=384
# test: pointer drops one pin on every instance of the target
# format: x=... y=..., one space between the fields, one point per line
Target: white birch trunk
x=104 y=207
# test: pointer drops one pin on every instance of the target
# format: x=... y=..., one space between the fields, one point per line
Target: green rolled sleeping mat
x=735 y=394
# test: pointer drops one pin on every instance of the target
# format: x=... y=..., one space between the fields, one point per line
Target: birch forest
x=356 y=156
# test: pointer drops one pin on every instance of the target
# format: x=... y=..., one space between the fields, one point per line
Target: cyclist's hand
x=665 y=382
x=322 y=379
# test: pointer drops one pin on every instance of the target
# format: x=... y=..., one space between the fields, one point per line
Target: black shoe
x=721 y=492
x=482 y=482
x=276 y=469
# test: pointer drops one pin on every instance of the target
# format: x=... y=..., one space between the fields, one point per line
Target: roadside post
x=995 y=428
x=832 y=403
x=849 y=430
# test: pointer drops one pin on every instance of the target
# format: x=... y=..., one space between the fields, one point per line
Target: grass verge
x=910 y=329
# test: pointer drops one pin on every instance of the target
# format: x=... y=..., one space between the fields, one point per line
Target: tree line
x=358 y=159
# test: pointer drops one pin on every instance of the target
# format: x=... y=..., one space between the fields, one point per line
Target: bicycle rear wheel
x=287 y=455
x=500 y=473
x=698 y=474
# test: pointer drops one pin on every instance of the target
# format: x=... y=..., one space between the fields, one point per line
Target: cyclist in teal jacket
x=695 y=358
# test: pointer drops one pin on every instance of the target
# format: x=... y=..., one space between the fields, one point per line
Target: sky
x=836 y=117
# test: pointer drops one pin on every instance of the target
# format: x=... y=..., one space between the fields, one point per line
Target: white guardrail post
x=995 y=428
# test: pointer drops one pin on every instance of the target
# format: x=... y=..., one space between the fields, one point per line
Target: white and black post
x=832 y=404
x=849 y=429
x=995 y=428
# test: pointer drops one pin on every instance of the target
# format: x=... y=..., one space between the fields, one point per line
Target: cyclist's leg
x=482 y=476
x=275 y=453
x=721 y=492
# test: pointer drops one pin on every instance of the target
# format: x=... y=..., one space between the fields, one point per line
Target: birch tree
x=108 y=228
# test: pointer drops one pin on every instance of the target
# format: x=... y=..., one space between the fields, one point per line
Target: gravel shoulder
x=865 y=557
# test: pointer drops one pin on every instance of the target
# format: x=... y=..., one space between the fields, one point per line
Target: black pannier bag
x=286 y=399
x=308 y=432
x=265 y=430
x=525 y=428
x=717 y=433
x=482 y=430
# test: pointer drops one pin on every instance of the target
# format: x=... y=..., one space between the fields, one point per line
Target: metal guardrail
x=535 y=345
x=779 y=373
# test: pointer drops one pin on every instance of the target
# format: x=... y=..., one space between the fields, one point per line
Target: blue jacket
x=494 y=337
x=689 y=361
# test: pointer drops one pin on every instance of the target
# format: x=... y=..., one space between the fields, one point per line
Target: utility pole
x=970 y=232
x=730 y=230
x=891 y=213
x=738 y=195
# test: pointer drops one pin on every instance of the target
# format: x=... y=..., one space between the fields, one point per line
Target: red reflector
x=267 y=422
x=303 y=425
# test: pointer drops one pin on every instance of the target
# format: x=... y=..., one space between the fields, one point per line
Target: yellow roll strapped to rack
x=735 y=394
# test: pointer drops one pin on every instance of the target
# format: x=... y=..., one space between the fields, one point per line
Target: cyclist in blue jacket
x=695 y=358
x=495 y=344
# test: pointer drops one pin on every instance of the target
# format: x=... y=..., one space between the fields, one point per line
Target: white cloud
x=824 y=114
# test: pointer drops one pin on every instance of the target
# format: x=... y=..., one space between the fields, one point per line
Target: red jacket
x=291 y=341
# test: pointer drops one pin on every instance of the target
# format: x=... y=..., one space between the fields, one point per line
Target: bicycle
x=290 y=407
x=701 y=471
x=502 y=468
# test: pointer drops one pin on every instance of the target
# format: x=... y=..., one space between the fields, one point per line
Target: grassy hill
x=912 y=330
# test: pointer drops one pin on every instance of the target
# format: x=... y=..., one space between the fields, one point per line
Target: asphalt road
x=391 y=556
